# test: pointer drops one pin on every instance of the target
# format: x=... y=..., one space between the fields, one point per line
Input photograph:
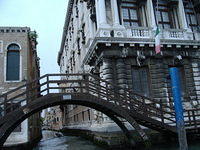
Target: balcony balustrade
x=166 y=34
x=139 y=32
x=173 y=34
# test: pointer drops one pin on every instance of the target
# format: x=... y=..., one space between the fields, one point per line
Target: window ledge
x=14 y=81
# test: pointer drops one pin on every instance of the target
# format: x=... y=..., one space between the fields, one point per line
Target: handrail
x=147 y=98
x=25 y=85
x=91 y=84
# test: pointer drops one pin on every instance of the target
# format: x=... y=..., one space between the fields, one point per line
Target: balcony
x=166 y=34
x=174 y=34
x=140 y=32
x=147 y=35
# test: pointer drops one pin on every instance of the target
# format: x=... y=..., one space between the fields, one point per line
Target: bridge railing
x=87 y=83
x=192 y=118
x=49 y=83
x=21 y=95
x=131 y=101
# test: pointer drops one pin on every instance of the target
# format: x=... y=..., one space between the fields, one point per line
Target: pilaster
x=115 y=13
x=182 y=15
x=101 y=11
x=151 y=16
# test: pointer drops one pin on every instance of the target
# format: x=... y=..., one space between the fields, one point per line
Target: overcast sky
x=46 y=17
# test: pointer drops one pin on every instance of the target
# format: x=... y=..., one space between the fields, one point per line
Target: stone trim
x=1 y=46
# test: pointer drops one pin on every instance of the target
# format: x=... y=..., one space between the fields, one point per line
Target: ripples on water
x=50 y=142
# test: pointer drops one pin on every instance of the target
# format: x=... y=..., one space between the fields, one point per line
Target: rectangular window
x=13 y=66
x=190 y=15
x=140 y=79
x=133 y=13
x=166 y=14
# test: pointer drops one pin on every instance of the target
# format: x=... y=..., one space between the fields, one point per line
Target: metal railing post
x=161 y=112
x=5 y=99
x=47 y=84
x=86 y=78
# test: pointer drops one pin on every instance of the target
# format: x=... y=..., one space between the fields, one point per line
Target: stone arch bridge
x=91 y=91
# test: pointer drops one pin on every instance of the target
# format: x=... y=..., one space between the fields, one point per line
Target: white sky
x=46 y=17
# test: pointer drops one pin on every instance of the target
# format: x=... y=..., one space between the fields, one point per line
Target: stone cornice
x=134 y=41
x=65 y=28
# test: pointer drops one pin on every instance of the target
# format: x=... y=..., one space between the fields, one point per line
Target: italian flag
x=157 y=40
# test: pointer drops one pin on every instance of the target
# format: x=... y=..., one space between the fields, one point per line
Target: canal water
x=56 y=141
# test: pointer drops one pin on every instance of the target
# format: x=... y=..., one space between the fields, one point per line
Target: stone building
x=115 y=40
x=19 y=64
x=53 y=119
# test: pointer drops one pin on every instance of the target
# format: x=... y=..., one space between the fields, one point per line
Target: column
x=97 y=12
x=115 y=12
x=121 y=73
x=182 y=15
x=102 y=12
x=106 y=73
x=151 y=15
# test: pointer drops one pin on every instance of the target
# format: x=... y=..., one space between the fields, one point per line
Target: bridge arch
x=16 y=117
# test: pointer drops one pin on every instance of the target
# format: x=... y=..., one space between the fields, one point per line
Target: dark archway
x=110 y=109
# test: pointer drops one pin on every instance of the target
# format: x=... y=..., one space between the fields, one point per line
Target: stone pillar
x=115 y=13
x=121 y=73
x=150 y=11
x=102 y=12
x=97 y=13
x=182 y=16
x=107 y=70
x=106 y=73
x=158 y=80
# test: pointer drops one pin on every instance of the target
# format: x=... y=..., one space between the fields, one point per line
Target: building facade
x=115 y=40
x=19 y=64
x=53 y=119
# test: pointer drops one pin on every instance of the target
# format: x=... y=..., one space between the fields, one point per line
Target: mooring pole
x=176 y=90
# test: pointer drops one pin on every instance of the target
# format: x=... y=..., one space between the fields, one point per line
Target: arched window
x=13 y=63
